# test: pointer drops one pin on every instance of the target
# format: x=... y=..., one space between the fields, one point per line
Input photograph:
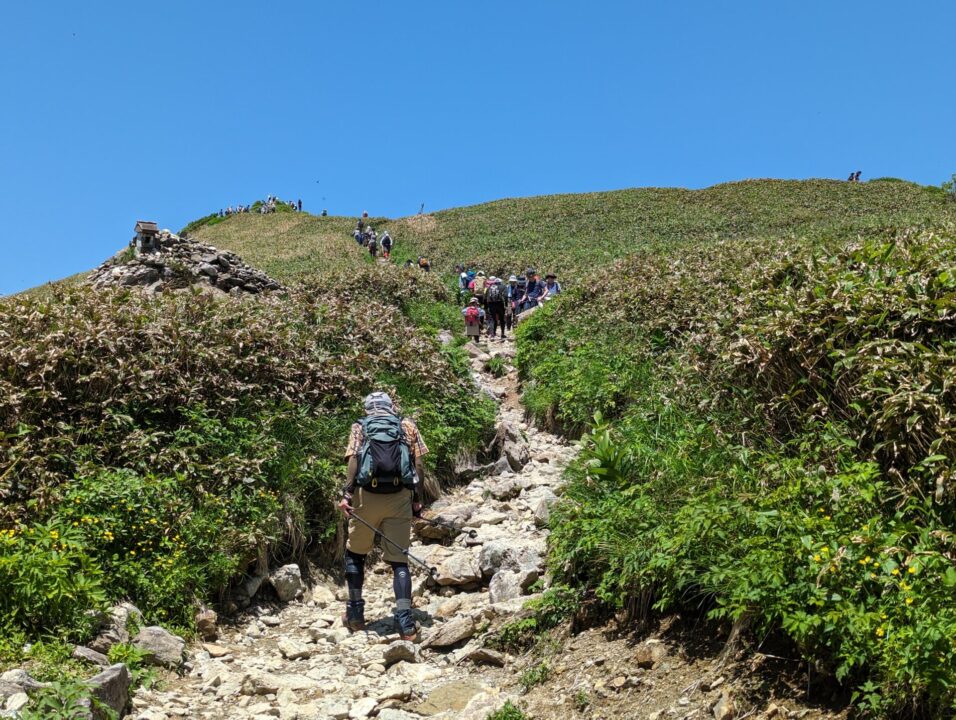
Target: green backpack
x=385 y=457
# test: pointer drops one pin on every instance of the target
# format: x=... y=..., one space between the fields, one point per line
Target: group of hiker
x=265 y=207
x=854 y=177
x=384 y=488
x=495 y=304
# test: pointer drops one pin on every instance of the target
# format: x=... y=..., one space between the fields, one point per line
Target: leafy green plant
x=65 y=701
x=508 y=711
x=534 y=676
x=556 y=605
x=497 y=366
x=582 y=701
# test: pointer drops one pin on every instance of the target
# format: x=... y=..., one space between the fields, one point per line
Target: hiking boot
x=354 y=616
x=353 y=625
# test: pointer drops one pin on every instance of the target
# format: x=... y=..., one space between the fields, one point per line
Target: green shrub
x=534 y=676
x=50 y=579
x=151 y=448
x=508 y=711
x=65 y=701
x=556 y=605
x=784 y=458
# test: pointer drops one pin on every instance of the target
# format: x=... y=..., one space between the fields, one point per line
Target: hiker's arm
x=418 y=495
x=345 y=504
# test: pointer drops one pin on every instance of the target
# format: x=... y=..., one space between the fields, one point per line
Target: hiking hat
x=473 y=301
x=378 y=401
x=550 y=276
x=481 y=272
x=513 y=279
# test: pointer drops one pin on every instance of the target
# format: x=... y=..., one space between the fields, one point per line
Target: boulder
x=111 y=688
x=450 y=633
x=207 y=625
x=322 y=595
x=460 y=568
x=486 y=656
x=649 y=653
x=505 y=585
x=114 y=627
x=89 y=655
x=362 y=708
x=16 y=702
x=287 y=581
x=292 y=649
x=19 y=679
x=506 y=488
x=160 y=646
x=724 y=708
x=399 y=651
x=517 y=453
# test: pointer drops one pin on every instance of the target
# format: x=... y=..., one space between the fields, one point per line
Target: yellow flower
x=909 y=601
x=872 y=576
x=816 y=558
x=896 y=571
x=912 y=570
x=880 y=632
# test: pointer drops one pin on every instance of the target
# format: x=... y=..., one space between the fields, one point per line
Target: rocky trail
x=287 y=655
x=296 y=661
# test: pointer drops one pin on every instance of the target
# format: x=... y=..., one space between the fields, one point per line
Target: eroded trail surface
x=297 y=661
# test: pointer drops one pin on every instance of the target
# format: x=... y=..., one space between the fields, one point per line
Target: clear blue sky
x=114 y=111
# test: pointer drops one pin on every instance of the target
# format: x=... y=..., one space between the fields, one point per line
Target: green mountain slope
x=766 y=370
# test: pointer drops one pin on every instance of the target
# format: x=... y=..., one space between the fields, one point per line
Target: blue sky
x=114 y=111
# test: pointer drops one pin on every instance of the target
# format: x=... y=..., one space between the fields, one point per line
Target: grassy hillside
x=573 y=234
x=766 y=370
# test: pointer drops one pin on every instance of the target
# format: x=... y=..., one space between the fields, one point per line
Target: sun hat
x=378 y=401
x=473 y=301
x=513 y=279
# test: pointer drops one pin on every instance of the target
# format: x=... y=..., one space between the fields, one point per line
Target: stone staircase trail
x=297 y=662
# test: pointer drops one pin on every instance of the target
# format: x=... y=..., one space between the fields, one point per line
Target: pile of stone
x=173 y=262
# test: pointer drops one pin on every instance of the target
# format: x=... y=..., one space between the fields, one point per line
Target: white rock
x=287 y=581
x=362 y=708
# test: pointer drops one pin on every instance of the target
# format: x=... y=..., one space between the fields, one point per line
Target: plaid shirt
x=415 y=442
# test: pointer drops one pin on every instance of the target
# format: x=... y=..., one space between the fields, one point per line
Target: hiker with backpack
x=474 y=319
x=423 y=264
x=477 y=287
x=495 y=306
x=386 y=245
x=533 y=292
x=512 y=293
x=372 y=246
x=551 y=287
x=383 y=492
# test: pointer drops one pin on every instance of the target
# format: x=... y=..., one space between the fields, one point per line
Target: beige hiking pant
x=391 y=514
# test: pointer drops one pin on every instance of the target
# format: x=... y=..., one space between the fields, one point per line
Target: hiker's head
x=513 y=279
x=551 y=278
x=378 y=401
x=473 y=301
x=481 y=273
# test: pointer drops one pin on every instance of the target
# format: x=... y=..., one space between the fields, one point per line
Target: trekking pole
x=448 y=526
x=432 y=571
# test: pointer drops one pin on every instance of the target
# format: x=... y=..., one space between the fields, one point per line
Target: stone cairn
x=175 y=262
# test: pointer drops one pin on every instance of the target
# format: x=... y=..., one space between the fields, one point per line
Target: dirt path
x=297 y=662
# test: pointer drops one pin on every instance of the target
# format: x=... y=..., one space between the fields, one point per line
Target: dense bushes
x=151 y=446
x=782 y=452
